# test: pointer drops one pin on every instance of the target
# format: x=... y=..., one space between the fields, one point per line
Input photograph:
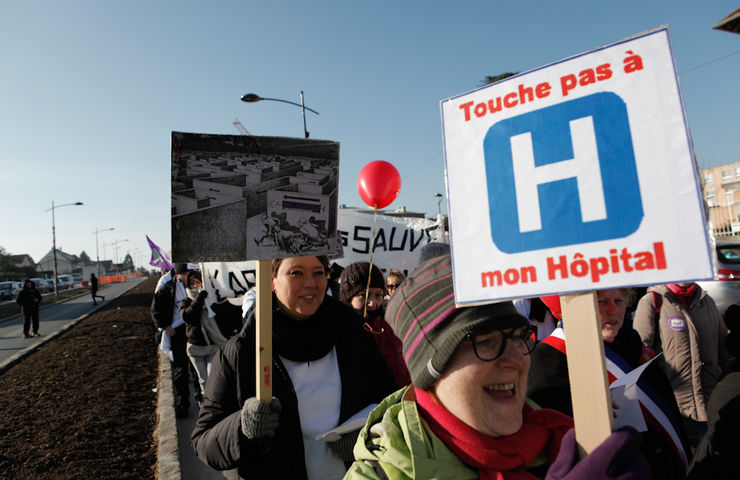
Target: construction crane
x=242 y=129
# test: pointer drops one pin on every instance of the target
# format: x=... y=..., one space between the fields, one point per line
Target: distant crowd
x=447 y=391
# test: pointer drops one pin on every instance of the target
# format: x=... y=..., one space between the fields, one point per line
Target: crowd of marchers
x=447 y=391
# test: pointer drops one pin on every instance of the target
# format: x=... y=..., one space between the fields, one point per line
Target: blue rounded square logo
x=562 y=175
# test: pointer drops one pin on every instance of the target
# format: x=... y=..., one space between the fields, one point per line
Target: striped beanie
x=423 y=315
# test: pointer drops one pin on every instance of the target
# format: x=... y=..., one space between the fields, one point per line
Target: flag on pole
x=159 y=258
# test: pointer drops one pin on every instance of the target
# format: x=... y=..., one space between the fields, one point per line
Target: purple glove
x=617 y=458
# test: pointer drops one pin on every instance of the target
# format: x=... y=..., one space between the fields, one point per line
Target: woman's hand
x=260 y=419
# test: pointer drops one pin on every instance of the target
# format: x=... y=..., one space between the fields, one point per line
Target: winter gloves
x=617 y=458
x=343 y=447
x=260 y=419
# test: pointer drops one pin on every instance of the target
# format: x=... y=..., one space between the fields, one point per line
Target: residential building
x=721 y=185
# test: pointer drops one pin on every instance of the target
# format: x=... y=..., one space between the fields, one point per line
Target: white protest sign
x=575 y=176
x=398 y=240
x=228 y=280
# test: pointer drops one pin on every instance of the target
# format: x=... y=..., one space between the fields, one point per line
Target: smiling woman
x=326 y=368
x=466 y=415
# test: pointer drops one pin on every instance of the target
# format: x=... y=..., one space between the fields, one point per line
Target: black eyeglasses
x=393 y=286
x=489 y=346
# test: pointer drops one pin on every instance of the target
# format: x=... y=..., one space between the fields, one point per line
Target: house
x=66 y=263
x=22 y=260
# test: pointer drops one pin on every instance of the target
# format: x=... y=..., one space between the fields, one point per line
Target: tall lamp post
x=253 y=98
x=116 y=247
x=97 y=250
x=54 y=237
x=439 y=203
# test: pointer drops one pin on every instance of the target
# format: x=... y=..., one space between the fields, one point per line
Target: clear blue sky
x=90 y=91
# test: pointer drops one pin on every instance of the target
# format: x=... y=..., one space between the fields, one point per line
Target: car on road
x=42 y=285
x=725 y=291
x=7 y=290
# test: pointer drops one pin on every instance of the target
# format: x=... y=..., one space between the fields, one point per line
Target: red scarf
x=499 y=458
x=684 y=294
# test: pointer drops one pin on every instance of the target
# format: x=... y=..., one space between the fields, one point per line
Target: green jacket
x=403 y=446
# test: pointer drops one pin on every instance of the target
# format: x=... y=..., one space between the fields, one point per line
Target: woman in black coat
x=325 y=369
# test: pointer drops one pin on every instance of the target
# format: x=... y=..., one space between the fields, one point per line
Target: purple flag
x=159 y=258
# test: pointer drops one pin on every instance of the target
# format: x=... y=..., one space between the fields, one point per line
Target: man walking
x=94 y=289
x=30 y=298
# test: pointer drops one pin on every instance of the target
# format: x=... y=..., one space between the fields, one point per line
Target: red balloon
x=378 y=183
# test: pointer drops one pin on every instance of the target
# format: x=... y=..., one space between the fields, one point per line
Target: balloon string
x=370 y=271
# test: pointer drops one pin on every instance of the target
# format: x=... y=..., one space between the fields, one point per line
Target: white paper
x=624 y=393
x=355 y=422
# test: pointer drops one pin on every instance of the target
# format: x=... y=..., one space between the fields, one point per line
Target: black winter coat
x=29 y=299
x=217 y=437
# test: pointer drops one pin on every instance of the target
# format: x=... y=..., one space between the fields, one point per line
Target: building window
x=726 y=174
x=708 y=178
x=737 y=172
x=710 y=194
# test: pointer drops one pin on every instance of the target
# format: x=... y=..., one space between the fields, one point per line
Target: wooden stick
x=589 y=383
x=264 y=330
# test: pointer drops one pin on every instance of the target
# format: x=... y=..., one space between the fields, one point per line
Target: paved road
x=53 y=317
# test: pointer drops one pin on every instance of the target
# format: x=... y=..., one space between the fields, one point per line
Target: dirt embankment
x=84 y=404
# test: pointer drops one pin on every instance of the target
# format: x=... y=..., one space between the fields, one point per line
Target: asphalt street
x=54 y=317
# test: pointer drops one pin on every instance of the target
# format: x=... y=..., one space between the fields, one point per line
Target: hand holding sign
x=378 y=183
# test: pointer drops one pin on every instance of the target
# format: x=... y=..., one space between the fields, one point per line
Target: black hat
x=181 y=268
x=353 y=280
x=423 y=315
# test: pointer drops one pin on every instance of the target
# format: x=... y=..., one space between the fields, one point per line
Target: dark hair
x=323 y=260
x=191 y=275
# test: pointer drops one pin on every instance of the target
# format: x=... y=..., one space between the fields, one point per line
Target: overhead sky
x=91 y=90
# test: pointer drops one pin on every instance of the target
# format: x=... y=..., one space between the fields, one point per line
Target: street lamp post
x=439 y=203
x=54 y=237
x=253 y=98
x=116 y=247
x=97 y=250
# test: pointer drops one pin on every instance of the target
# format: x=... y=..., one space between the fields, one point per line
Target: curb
x=165 y=435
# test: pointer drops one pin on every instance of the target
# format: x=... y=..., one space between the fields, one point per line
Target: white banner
x=228 y=280
x=575 y=176
x=398 y=240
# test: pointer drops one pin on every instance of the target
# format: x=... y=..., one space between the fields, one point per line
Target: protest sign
x=242 y=197
x=571 y=177
x=574 y=176
x=397 y=242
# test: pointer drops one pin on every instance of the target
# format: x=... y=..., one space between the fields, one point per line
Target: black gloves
x=202 y=295
x=260 y=419
x=343 y=447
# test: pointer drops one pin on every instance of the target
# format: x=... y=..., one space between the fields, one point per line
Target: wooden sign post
x=589 y=383
x=264 y=330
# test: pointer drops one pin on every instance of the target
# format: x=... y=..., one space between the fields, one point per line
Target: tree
x=84 y=258
x=128 y=263
x=493 y=79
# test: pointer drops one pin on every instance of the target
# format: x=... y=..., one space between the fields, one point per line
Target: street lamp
x=253 y=98
x=97 y=250
x=439 y=203
x=115 y=242
x=54 y=237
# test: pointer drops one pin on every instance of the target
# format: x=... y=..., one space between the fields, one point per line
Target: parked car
x=41 y=285
x=77 y=277
x=725 y=291
x=6 y=291
x=65 y=281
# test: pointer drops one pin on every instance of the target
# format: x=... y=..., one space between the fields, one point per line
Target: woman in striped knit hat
x=465 y=416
